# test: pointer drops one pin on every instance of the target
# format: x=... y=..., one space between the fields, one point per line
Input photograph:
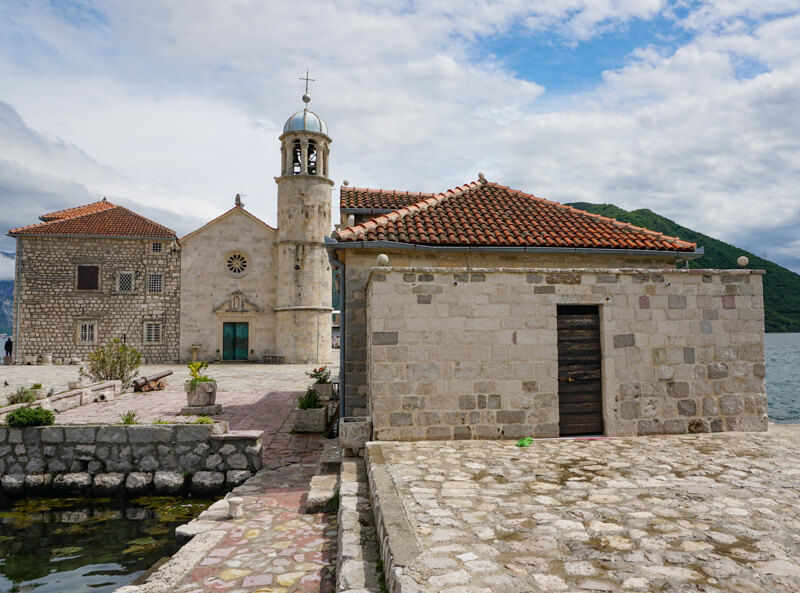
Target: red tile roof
x=487 y=214
x=77 y=211
x=378 y=199
x=93 y=220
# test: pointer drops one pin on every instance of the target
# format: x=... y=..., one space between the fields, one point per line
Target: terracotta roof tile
x=377 y=199
x=106 y=221
x=77 y=211
x=487 y=214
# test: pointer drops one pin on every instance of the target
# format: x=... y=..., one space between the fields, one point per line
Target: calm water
x=783 y=377
x=82 y=545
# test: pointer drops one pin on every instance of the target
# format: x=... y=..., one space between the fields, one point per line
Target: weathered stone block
x=687 y=407
x=137 y=482
x=629 y=410
x=106 y=434
x=168 y=482
x=678 y=389
x=150 y=434
x=52 y=434
x=384 y=338
x=731 y=405
x=207 y=482
x=462 y=433
x=699 y=426
x=530 y=386
x=544 y=290
x=677 y=426
x=676 y=301
x=533 y=278
x=648 y=427
x=424 y=299
x=563 y=279
x=73 y=482
x=438 y=433
x=710 y=406
x=717 y=370
x=624 y=340
x=401 y=419
x=466 y=402
x=108 y=484
x=688 y=356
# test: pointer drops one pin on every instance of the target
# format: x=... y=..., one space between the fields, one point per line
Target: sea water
x=783 y=377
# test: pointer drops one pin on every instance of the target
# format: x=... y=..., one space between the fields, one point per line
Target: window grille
x=88 y=277
x=154 y=283
x=237 y=263
x=158 y=247
x=152 y=333
x=87 y=333
x=125 y=282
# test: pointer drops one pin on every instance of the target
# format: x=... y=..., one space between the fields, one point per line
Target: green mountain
x=781 y=286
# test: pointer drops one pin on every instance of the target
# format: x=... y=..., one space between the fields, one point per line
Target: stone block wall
x=472 y=353
x=358 y=267
x=51 y=308
x=127 y=457
x=207 y=285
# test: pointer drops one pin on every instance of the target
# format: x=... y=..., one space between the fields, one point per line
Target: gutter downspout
x=17 y=266
x=342 y=314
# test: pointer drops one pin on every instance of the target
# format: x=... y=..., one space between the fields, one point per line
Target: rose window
x=237 y=263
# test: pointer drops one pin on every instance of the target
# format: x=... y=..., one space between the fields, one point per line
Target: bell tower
x=303 y=296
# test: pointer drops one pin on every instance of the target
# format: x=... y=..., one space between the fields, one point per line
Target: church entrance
x=235 y=340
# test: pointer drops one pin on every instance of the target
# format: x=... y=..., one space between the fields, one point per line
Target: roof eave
x=334 y=245
x=62 y=235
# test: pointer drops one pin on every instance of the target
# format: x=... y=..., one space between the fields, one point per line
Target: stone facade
x=466 y=353
x=83 y=457
x=228 y=274
x=358 y=264
x=50 y=309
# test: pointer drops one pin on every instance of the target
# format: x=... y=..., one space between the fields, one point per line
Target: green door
x=235 y=341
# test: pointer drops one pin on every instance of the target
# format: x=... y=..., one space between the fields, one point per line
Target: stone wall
x=112 y=459
x=207 y=285
x=52 y=309
x=358 y=267
x=472 y=353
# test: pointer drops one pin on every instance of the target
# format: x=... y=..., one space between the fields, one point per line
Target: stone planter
x=203 y=394
x=201 y=400
x=27 y=359
x=325 y=390
x=354 y=433
x=39 y=393
x=312 y=420
x=79 y=384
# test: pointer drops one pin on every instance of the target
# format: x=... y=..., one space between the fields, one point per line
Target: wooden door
x=580 y=396
x=235 y=340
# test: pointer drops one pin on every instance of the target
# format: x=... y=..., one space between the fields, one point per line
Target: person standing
x=9 y=347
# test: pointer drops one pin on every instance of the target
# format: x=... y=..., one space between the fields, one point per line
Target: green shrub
x=196 y=371
x=309 y=401
x=22 y=395
x=115 y=361
x=36 y=386
x=204 y=420
x=129 y=417
x=30 y=417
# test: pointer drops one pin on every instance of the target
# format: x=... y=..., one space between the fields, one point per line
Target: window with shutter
x=88 y=277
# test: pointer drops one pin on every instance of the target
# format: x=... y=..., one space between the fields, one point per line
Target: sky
x=691 y=109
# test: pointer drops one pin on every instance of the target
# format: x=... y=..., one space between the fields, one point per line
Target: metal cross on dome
x=307 y=79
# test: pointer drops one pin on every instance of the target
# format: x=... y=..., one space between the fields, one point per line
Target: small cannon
x=155 y=382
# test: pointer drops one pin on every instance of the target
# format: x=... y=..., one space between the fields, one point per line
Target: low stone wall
x=109 y=460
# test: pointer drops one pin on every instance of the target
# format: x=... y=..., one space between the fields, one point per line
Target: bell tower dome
x=303 y=296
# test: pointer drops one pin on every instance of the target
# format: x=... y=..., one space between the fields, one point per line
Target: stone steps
x=325 y=483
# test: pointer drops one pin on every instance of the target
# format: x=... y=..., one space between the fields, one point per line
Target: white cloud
x=6 y=266
x=178 y=106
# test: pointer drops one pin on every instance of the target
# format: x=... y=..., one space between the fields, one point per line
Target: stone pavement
x=713 y=513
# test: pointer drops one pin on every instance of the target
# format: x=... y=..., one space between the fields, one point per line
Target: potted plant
x=322 y=382
x=38 y=390
x=201 y=390
x=217 y=358
x=310 y=415
x=78 y=383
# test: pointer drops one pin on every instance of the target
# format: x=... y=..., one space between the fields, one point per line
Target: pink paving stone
x=281 y=562
x=311 y=581
x=299 y=557
x=219 y=584
x=210 y=561
x=257 y=580
x=221 y=552
x=198 y=574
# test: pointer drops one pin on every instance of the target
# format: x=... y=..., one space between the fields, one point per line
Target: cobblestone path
x=274 y=548
x=702 y=513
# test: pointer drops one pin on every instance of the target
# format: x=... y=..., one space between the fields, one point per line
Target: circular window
x=237 y=264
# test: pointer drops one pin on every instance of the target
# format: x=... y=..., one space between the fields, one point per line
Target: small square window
x=125 y=282
x=152 y=333
x=88 y=277
x=158 y=247
x=154 y=282
x=87 y=333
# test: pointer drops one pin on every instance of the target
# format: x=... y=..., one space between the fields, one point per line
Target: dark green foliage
x=309 y=401
x=22 y=395
x=781 y=286
x=30 y=417
x=114 y=361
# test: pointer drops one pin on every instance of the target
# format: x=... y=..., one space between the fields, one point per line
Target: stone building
x=234 y=289
x=90 y=274
x=503 y=315
x=228 y=281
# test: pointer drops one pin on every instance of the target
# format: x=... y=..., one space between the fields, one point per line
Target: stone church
x=234 y=289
